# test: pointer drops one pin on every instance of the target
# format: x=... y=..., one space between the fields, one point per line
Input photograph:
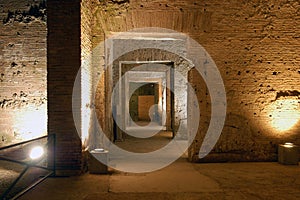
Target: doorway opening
x=150 y=99
x=141 y=101
x=146 y=104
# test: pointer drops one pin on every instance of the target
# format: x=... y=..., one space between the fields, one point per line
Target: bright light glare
x=288 y=145
x=285 y=114
x=36 y=152
x=30 y=122
x=85 y=102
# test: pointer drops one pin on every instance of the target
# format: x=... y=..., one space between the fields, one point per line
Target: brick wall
x=23 y=101
x=180 y=65
x=86 y=70
x=255 y=46
x=63 y=57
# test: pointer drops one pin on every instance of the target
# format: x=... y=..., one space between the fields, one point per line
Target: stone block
x=288 y=154
x=95 y=165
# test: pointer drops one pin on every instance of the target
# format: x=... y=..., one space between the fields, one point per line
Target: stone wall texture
x=23 y=72
x=180 y=89
x=63 y=63
x=255 y=46
x=254 y=43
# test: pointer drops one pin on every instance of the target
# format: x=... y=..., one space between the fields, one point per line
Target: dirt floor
x=11 y=170
x=180 y=181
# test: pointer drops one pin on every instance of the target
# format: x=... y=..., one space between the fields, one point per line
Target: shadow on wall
x=34 y=12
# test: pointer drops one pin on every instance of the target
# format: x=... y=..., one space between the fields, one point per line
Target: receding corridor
x=149 y=99
x=144 y=145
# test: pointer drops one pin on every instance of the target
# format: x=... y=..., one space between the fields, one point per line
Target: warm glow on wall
x=86 y=95
x=30 y=122
x=285 y=113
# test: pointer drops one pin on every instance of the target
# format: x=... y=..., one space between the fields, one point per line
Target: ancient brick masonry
x=22 y=70
x=255 y=45
x=63 y=57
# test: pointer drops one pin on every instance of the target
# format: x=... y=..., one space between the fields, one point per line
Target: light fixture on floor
x=288 y=154
x=288 y=144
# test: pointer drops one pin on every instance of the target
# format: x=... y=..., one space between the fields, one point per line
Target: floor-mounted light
x=36 y=152
x=288 y=145
x=288 y=154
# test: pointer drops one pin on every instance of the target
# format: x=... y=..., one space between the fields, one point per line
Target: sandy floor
x=10 y=171
x=181 y=180
x=141 y=145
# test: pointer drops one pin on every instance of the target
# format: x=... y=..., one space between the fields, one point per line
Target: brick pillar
x=63 y=57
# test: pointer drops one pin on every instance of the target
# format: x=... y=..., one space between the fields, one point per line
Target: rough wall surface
x=86 y=70
x=255 y=45
x=63 y=57
x=23 y=101
x=180 y=94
